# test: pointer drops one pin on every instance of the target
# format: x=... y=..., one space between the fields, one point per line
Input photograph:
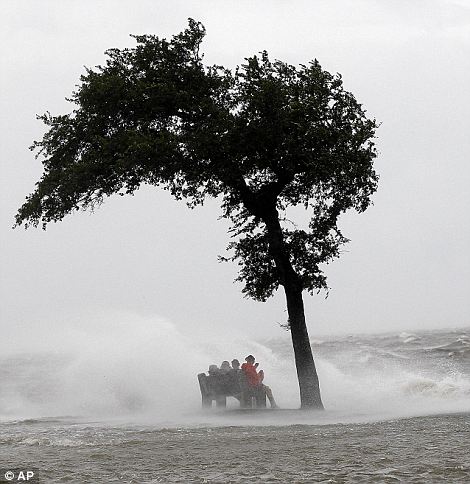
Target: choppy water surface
x=398 y=410
x=419 y=449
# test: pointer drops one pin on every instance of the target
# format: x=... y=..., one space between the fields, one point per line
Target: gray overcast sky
x=148 y=256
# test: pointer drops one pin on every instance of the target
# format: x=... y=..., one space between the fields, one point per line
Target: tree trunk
x=310 y=397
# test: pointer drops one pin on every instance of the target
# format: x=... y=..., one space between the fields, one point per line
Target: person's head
x=250 y=359
x=235 y=364
x=213 y=369
x=225 y=365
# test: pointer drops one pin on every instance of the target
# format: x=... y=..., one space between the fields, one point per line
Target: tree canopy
x=264 y=137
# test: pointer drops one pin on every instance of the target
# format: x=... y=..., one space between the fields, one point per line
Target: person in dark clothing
x=213 y=370
x=225 y=367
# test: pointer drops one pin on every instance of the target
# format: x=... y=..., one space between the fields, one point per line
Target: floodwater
x=418 y=449
x=398 y=410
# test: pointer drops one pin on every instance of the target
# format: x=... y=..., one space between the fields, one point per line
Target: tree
x=265 y=138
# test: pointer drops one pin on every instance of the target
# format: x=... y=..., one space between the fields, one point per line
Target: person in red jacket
x=255 y=378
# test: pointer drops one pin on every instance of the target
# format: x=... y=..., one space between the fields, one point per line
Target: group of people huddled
x=230 y=373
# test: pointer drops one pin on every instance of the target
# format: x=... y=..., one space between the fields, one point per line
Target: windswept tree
x=265 y=138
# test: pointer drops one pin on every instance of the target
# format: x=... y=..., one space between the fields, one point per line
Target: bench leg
x=261 y=401
x=245 y=400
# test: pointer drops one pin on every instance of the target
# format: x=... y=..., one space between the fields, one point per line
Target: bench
x=231 y=384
